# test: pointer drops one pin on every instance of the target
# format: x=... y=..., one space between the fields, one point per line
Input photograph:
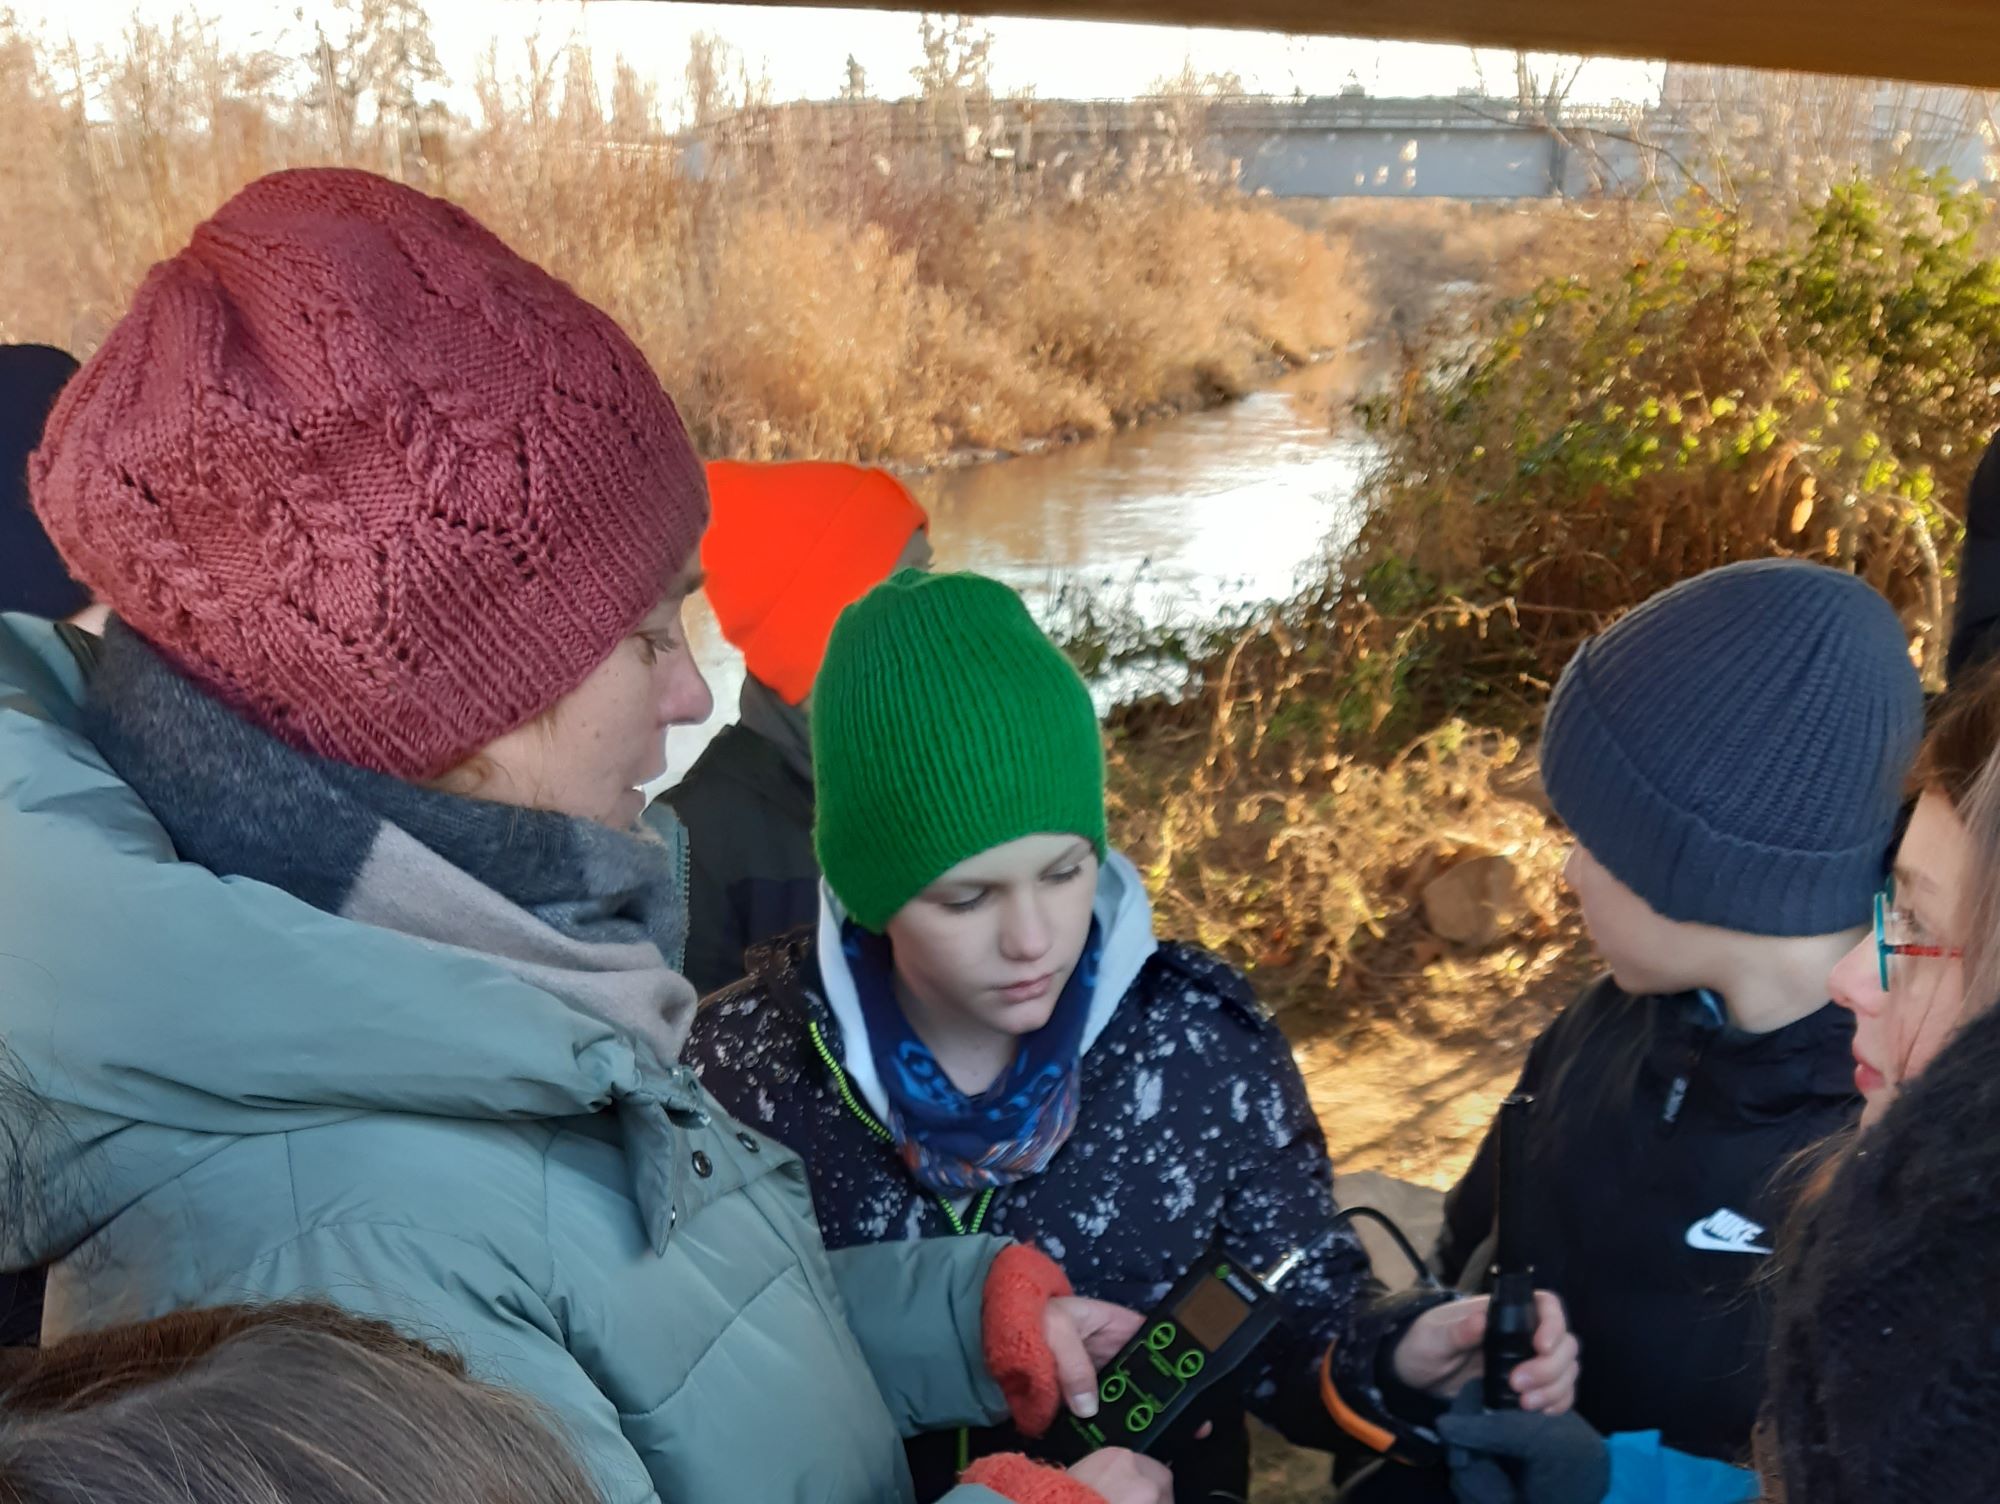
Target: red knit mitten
x=1019 y=1287
x=1014 y=1477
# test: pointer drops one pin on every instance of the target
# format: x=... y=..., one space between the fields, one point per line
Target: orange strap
x=1370 y=1435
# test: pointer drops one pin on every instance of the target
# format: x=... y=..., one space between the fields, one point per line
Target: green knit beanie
x=944 y=723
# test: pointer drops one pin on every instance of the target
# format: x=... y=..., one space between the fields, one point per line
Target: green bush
x=1711 y=396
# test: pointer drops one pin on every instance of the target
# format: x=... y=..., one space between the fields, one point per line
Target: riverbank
x=796 y=307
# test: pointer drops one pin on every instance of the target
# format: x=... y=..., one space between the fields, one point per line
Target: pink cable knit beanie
x=379 y=484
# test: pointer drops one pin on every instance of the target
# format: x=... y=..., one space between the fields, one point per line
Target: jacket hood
x=154 y=1011
x=1124 y=918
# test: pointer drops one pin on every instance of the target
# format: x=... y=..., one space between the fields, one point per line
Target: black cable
x=1345 y=1218
x=1425 y=1278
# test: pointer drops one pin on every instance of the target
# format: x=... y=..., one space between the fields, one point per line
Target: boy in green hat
x=982 y=1034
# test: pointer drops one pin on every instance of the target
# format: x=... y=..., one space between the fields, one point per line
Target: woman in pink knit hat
x=333 y=960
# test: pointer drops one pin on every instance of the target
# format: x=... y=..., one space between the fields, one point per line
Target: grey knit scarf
x=595 y=916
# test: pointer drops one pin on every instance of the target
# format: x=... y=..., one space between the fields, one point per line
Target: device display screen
x=1211 y=1313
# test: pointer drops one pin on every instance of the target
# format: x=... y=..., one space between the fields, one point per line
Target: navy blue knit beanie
x=1734 y=750
x=33 y=577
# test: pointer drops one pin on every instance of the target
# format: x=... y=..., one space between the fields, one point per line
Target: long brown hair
x=288 y=1404
x=1960 y=761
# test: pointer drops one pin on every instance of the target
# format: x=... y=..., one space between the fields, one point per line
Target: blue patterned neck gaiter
x=954 y=1143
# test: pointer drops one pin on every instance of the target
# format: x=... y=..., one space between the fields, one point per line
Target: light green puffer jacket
x=236 y=1096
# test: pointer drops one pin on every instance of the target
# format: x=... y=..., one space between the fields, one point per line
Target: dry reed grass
x=801 y=304
x=1431 y=260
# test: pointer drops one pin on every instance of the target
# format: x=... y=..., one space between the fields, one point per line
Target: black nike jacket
x=1664 y=1149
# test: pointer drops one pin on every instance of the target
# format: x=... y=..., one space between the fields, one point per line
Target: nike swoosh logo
x=1724 y=1231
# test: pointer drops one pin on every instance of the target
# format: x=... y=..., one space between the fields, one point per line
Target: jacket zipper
x=687 y=882
x=868 y=1120
x=1677 y=1090
x=684 y=862
x=959 y=1226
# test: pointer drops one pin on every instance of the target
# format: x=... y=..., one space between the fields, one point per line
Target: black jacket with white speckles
x=1195 y=1128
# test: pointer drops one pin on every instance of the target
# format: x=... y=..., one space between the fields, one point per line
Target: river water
x=1176 y=520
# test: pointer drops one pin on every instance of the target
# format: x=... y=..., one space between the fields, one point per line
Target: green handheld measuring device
x=1199 y=1335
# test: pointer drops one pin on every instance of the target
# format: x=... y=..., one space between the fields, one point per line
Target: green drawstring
x=959 y=1226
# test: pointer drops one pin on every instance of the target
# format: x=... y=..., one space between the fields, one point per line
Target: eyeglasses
x=1894 y=929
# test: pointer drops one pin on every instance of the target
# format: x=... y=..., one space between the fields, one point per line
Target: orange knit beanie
x=789 y=548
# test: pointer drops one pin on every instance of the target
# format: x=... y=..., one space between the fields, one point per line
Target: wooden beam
x=1925 y=41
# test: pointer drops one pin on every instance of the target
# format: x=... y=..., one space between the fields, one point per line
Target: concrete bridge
x=1477 y=148
x=1355 y=146
x=1462 y=148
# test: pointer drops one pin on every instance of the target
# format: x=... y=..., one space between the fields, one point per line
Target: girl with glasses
x=1911 y=983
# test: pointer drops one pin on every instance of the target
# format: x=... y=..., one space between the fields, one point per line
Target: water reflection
x=1215 y=509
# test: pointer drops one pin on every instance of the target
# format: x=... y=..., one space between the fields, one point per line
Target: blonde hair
x=296 y=1404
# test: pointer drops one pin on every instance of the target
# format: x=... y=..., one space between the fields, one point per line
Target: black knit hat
x=1734 y=750
x=33 y=577
x=1885 y=1367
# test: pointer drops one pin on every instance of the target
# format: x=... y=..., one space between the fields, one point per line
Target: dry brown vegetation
x=1269 y=837
x=798 y=305
x=1434 y=262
